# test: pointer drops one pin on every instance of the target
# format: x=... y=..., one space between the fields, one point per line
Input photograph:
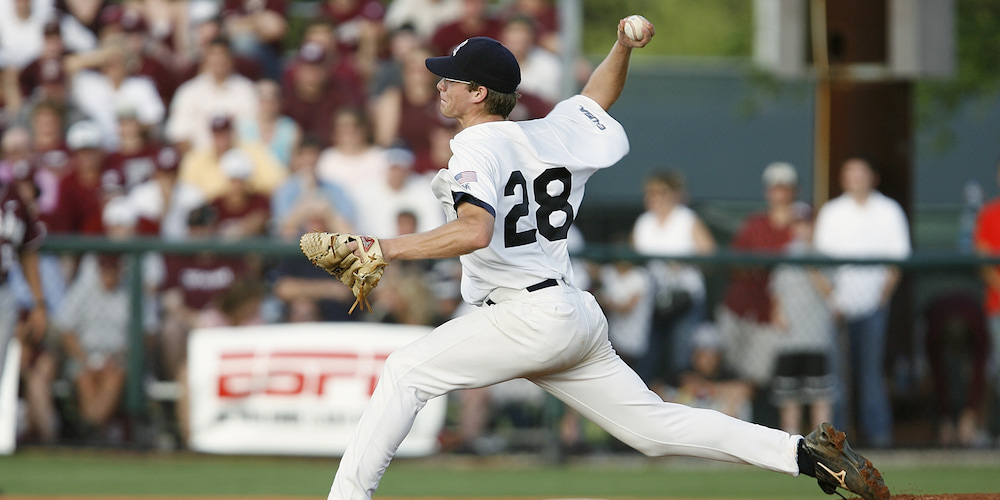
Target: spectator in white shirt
x=108 y=88
x=399 y=191
x=22 y=25
x=668 y=228
x=864 y=223
x=353 y=160
x=217 y=90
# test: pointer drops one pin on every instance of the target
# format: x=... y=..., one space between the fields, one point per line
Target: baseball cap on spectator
x=168 y=159
x=482 y=60
x=312 y=53
x=236 y=164
x=51 y=71
x=399 y=157
x=83 y=134
x=780 y=174
x=221 y=122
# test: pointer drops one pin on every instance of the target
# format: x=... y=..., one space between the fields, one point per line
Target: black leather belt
x=541 y=285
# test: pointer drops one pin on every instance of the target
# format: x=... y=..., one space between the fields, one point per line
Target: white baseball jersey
x=530 y=176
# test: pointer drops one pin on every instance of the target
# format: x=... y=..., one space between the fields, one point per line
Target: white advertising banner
x=295 y=389
x=8 y=397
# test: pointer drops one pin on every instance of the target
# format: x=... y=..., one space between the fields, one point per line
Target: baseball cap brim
x=445 y=68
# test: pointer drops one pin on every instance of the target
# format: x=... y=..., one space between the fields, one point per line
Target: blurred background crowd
x=198 y=120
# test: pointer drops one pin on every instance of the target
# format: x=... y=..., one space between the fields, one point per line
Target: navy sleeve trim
x=468 y=198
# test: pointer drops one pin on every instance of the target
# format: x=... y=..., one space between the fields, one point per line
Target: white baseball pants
x=557 y=338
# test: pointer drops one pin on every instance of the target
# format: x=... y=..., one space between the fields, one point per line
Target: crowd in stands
x=201 y=119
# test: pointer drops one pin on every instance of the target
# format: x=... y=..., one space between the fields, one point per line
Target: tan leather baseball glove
x=330 y=252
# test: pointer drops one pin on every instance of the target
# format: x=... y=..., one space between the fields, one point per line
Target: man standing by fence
x=863 y=223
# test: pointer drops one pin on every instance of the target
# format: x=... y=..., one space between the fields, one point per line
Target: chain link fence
x=762 y=339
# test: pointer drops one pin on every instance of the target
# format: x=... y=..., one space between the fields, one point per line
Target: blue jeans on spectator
x=867 y=336
x=669 y=350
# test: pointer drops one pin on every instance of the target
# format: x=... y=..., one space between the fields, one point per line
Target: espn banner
x=295 y=389
x=8 y=397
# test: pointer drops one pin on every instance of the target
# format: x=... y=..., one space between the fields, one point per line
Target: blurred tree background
x=696 y=28
x=977 y=75
x=724 y=29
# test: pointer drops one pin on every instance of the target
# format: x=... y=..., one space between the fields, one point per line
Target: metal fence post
x=134 y=393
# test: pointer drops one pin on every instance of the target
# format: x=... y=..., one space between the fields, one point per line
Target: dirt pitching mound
x=946 y=496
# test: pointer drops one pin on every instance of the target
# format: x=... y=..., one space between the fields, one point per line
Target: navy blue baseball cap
x=482 y=60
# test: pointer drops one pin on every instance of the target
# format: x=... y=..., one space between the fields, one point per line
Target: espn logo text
x=295 y=373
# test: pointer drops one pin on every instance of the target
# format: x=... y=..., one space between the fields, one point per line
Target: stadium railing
x=926 y=274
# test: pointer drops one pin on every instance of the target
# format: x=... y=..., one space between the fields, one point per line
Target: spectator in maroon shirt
x=135 y=159
x=257 y=29
x=45 y=79
x=52 y=89
x=81 y=196
x=191 y=284
x=342 y=68
x=407 y=114
x=30 y=76
x=241 y=212
x=476 y=20
x=768 y=232
x=314 y=97
x=49 y=148
x=745 y=317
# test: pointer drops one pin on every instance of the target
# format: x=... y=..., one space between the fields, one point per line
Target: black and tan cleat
x=838 y=466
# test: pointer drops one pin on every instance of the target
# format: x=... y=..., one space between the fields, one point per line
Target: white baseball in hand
x=633 y=26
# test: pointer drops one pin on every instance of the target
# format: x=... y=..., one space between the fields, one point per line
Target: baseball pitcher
x=511 y=191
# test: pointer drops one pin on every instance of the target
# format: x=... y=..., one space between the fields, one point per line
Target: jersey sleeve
x=578 y=133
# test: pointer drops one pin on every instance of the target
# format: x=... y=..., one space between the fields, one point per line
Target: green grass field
x=81 y=472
